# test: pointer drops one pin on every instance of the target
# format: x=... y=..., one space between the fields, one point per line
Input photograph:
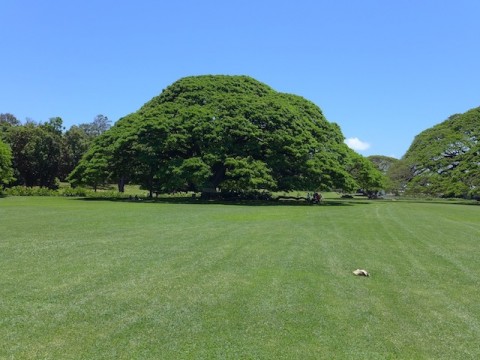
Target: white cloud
x=357 y=144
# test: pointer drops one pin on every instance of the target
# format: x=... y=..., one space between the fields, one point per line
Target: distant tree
x=398 y=176
x=42 y=152
x=36 y=154
x=98 y=126
x=6 y=122
x=6 y=170
x=54 y=125
x=368 y=177
x=75 y=143
x=9 y=119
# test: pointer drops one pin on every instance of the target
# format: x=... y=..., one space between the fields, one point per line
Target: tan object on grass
x=361 y=272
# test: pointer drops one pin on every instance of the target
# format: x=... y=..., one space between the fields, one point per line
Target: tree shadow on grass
x=441 y=201
x=199 y=201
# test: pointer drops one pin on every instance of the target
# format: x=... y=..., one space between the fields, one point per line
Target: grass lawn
x=136 y=280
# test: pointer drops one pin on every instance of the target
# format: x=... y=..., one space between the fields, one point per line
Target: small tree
x=93 y=170
x=367 y=176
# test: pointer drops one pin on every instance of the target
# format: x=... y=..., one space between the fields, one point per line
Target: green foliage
x=75 y=143
x=66 y=191
x=227 y=132
x=7 y=120
x=36 y=154
x=247 y=173
x=192 y=171
x=398 y=176
x=6 y=170
x=30 y=191
x=445 y=159
x=75 y=192
x=98 y=126
x=369 y=178
x=54 y=125
x=43 y=152
x=93 y=169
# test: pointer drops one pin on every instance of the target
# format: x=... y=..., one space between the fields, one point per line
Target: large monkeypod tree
x=222 y=133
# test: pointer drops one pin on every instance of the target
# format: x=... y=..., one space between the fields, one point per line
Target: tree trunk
x=121 y=184
x=219 y=175
x=150 y=185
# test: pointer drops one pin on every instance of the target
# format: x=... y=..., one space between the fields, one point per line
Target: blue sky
x=383 y=70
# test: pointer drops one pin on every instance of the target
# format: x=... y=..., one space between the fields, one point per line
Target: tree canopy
x=36 y=150
x=444 y=160
x=221 y=132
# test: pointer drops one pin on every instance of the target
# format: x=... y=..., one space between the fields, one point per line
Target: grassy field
x=136 y=280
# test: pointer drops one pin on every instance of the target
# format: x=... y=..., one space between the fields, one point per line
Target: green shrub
x=30 y=191
x=76 y=192
x=112 y=194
